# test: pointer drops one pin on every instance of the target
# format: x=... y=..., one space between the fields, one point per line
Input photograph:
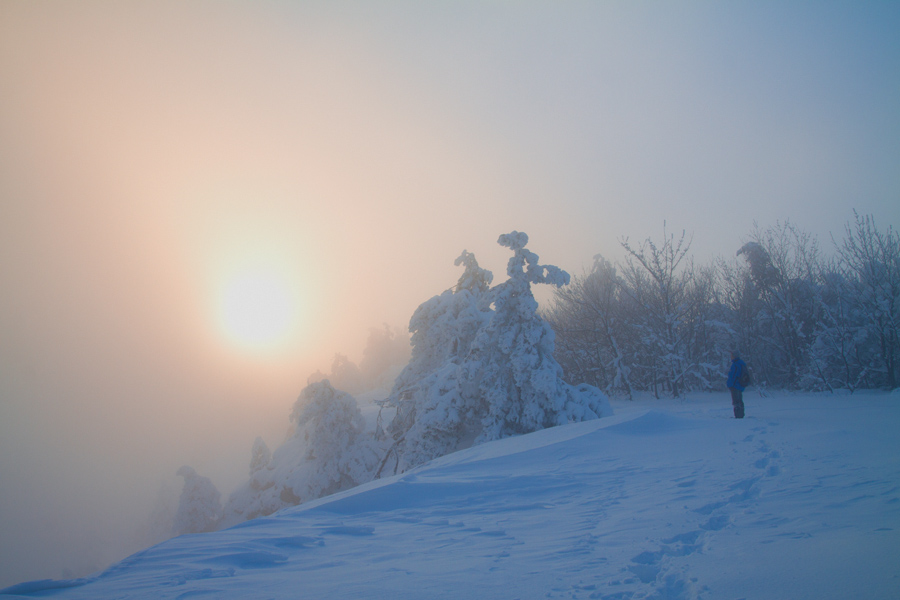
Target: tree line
x=803 y=319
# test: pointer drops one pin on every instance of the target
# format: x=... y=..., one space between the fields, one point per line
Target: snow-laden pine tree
x=328 y=451
x=200 y=506
x=482 y=365
x=432 y=396
x=520 y=384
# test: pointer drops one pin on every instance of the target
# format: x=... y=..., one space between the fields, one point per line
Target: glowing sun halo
x=257 y=309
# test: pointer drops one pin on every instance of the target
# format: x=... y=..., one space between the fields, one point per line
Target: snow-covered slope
x=666 y=499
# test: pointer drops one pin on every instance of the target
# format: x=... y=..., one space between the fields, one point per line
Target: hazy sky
x=150 y=153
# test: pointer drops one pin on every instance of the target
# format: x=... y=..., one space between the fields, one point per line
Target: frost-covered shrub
x=328 y=451
x=200 y=506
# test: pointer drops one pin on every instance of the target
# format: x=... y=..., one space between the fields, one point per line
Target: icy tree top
x=526 y=262
x=474 y=277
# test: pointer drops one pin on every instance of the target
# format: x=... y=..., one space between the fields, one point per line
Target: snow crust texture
x=664 y=500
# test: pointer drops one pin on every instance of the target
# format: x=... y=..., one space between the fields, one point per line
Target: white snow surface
x=667 y=499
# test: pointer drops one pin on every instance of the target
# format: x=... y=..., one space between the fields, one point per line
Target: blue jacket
x=734 y=375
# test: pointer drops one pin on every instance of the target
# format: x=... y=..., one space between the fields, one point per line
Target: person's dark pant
x=737 y=401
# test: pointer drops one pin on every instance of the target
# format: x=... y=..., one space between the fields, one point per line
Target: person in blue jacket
x=734 y=384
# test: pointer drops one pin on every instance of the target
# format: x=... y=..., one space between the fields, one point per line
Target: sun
x=257 y=309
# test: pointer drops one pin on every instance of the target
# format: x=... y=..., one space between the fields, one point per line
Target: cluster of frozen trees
x=329 y=450
x=659 y=322
x=482 y=367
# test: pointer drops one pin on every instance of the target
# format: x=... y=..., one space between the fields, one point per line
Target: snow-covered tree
x=432 y=396
x=594 y=335
x=658 y=283
x=784 y=272
x=200 y=506
x=328 y=451
x=871 y=265
x=762 y=271
x=740 y=300
x=707 y=337
x=520 y=385
x=482 y=365
x=839 y=357
x=346 y=375
x=658 y=326
x=385 y=354
x=802 y=321
x=260 y=465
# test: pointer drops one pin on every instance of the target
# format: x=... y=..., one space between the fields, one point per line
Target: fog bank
x=148 y=153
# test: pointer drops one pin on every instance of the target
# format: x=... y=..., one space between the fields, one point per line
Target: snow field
x=667 y=499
